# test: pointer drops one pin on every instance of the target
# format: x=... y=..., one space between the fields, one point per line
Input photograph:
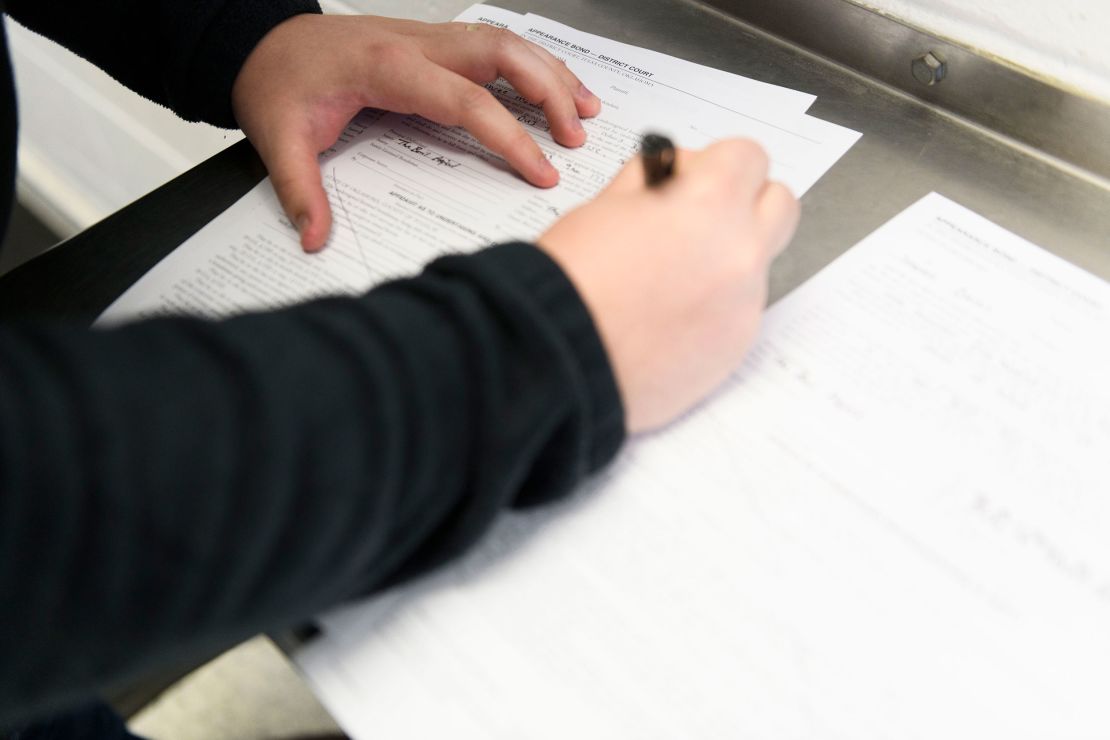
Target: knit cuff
x=223 y=49
x=556 y=296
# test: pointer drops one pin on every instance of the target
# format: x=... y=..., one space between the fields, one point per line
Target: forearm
x=184 y=55
x=179 y=484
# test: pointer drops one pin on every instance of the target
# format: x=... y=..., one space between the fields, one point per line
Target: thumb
x=295 y=174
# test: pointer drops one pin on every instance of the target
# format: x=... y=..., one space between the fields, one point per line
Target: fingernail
x=302 y=222
x=585 y=94
x=576 y=124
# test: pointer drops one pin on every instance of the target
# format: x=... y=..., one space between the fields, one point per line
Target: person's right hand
x=675 y=277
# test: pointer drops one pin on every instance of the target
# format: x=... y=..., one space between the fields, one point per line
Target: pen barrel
x=658 y=155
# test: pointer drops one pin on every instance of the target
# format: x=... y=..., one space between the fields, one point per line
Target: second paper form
x=891 y=523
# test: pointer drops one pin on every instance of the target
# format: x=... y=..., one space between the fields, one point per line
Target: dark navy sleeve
x=174 y=486
x=183 y=54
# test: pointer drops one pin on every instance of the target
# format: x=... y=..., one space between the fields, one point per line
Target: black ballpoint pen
x=658 y=155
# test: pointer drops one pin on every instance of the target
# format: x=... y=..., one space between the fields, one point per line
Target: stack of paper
x=404 y=190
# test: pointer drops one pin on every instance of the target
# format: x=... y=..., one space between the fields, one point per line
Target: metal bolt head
x=929 y=69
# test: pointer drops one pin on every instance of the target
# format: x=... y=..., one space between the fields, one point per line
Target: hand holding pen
x=676 y=276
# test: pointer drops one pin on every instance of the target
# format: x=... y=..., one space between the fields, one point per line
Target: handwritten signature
x=423 y=151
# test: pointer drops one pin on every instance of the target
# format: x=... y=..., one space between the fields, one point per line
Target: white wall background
x=1066 y=40
x=88 y=146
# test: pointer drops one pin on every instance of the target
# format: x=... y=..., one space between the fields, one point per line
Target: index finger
x=588 y=104
x=485 y=56
x=453 y=100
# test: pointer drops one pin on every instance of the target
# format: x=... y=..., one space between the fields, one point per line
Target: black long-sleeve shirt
x=173 y=486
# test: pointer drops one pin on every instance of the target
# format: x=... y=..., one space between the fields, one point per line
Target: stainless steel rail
x=993 y=93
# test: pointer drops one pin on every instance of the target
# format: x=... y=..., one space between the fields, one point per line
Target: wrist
x=262 y=42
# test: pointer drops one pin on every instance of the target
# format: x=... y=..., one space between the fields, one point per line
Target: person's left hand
x=310 y=75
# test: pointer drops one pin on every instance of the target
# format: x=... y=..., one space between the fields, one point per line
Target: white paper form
x=707 y=82
x=892 y=523
x=712 y=84
x=403 y=190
